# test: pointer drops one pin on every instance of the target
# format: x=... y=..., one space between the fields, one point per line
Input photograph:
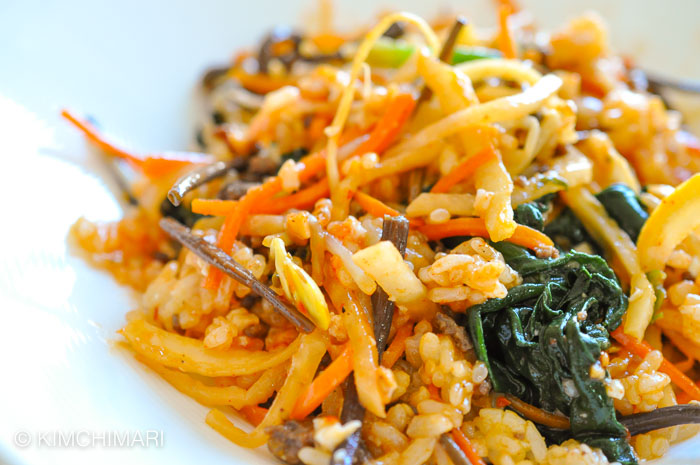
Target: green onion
x=464 y=54
x=390 y=53
x=656 y=278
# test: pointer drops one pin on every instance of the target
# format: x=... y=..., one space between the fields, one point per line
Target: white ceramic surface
x=134 y=65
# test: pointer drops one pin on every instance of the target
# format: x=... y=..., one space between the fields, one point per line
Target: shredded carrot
x=328 y=43
x=514 y=7
x=232 y=225
x=378 y=209
x=641 y=349
x=502 y=402
x=323 y=385
x=395 y=350
x=690 y=142
x=374 y=206
x=388 y=126
x=94 y=135
x=538 y=415
x=303 y=199
x=683 y=398
x=259 y=83
x=465 y=169
x=523 y=235
x=463 y=442
x=505 y=37
x=310 y=166
x=213 y=207
x=254 y=414
x=153 y=166
x=316 y=127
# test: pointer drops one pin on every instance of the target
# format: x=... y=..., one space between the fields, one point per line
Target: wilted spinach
x=540 y=341
x=623 y=206
x=532 y=213
x=567 y=231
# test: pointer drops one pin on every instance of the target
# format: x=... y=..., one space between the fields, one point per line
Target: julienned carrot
x=463 y=442
x=213 y=207
x=512 y=4
x=642 y=348
x=152 y=166
x=683 y=398
x=328 y=43
x=234 y=221
x=388 y=127
x=316 y=127
x=505 y=36
x=374 y=206
x=378 y=209
x=689 y=141
x=259 y=83
x=464 y=170
x=312 y=165
x=94 y=135
x=302 y=199
x=393 y=353
x=502 y=402
x=523 y=235
x=157 y=165
x=323 y=385
x=254 y=414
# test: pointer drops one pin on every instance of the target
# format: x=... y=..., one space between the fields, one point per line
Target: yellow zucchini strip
x=234 y=396
x=189 y=355
x=672 y=221
x=312 y=347
x=618 y=244
x=455 y=93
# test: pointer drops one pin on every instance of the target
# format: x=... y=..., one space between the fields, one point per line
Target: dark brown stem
x=446 y=53
x=394 y=229
x=640 y=423
x=453 y=450
x=112 y=167
x=199 y=176
x=683 y=85
x=218 y=258
x=349 y=451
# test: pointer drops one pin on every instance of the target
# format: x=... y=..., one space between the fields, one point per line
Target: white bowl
x=135 y=66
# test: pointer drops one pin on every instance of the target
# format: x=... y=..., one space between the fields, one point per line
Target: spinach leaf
x=532 y=213
x=624 y=207
x=619 y=201
x=540 y=341
x=566 y=230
